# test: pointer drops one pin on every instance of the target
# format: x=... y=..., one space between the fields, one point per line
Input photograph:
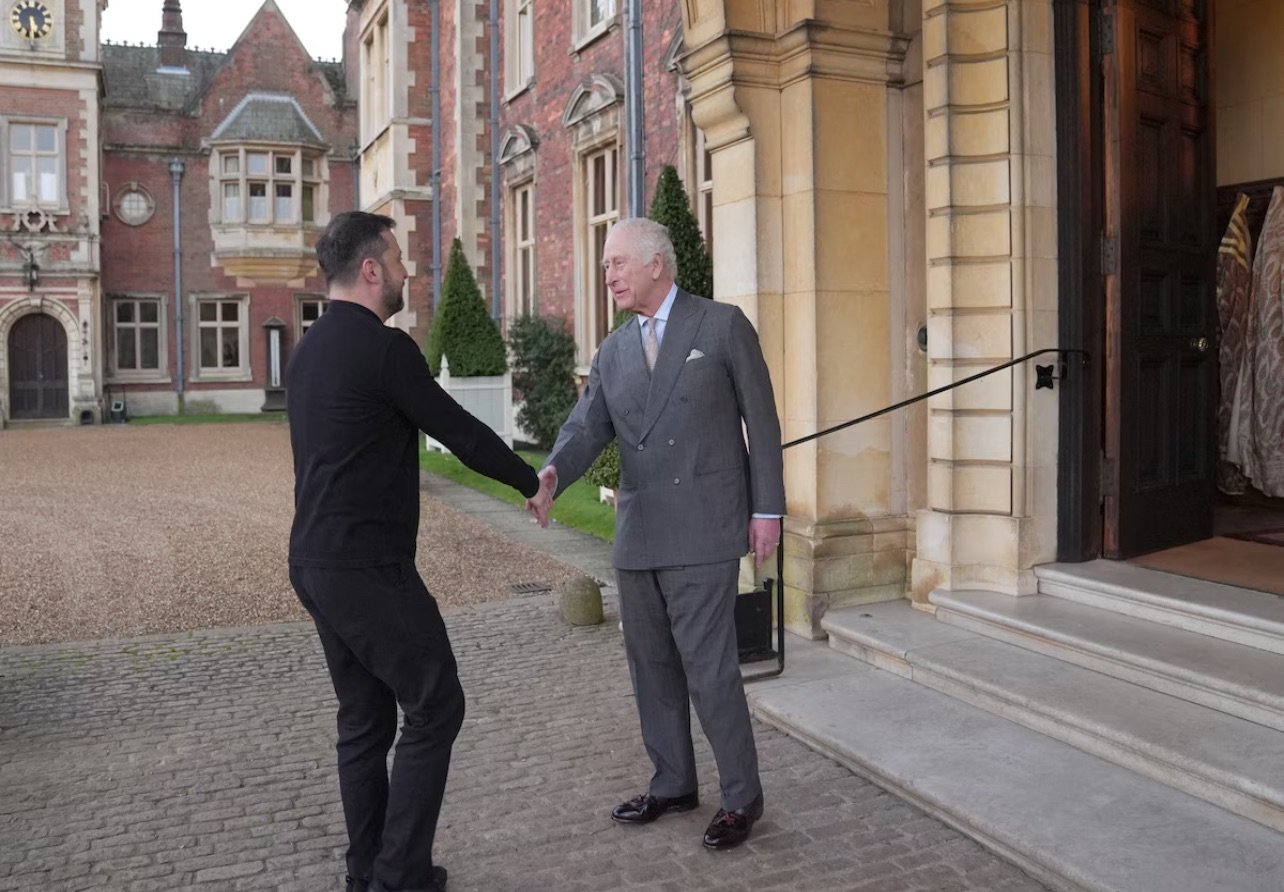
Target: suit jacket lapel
x=679 y=333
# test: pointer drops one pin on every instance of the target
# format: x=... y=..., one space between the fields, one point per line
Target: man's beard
x=393 y=300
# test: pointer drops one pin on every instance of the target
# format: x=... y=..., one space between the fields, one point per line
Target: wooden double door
x=1158 y=261
x=38 y=368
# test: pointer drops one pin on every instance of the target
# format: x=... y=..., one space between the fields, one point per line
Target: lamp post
x=176 y=177
x=30 y=269
x=274 y=392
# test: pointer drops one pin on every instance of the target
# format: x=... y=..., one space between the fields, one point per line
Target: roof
x=268 y=117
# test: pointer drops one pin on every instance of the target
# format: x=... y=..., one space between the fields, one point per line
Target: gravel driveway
x=116 y=531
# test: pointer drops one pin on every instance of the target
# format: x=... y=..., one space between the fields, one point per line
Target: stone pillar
x=991 y=289
x=795 y=112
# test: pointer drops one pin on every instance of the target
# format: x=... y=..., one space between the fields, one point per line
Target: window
x=602 y=204
x=134 y=204
x=376 y=85
x=137 y=338
x=520 y=58
x=309 y=308
x=35 y=164
x=222 y=335
x=521 y=277
x=704 y=189
x=593 y=17
x=269 y=187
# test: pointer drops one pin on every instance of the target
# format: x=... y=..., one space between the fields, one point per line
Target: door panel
x=38 y=369
x=1160 y=312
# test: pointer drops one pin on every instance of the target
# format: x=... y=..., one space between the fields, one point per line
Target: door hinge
x=1108 y=488
x=1106 y=33
x=1109 y=254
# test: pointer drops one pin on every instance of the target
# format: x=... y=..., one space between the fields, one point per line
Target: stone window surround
x=519 y=55
x=60 y=206
x=301 y=322
x=297 y=177
x=591 y=296
x=242 y=372
x=517 y=245
x=159 y=375
x=376 y=69
x=125 y=192
x=582 y=32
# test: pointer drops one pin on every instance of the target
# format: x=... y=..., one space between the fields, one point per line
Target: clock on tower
x=31 y=19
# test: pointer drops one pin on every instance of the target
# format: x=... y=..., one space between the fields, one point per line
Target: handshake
x=541 y=503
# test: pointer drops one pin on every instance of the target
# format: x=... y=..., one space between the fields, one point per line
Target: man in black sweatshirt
x=358 y=393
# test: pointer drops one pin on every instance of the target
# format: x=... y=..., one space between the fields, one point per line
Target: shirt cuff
x=766 y=516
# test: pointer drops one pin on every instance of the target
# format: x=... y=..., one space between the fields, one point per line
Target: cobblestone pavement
x=206 y=760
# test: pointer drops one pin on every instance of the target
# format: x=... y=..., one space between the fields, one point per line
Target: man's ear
x=368 y=268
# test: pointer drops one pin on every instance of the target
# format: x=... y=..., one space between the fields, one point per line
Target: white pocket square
x=694 y=354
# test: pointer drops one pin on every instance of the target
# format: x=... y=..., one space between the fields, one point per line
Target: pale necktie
x=650 y=344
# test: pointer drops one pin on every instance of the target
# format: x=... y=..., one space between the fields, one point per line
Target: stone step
x=1070 y=819
x=1233 y=678
x=1241 y=615
x=1228 y=761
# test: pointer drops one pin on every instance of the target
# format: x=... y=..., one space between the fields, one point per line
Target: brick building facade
x=172 y=232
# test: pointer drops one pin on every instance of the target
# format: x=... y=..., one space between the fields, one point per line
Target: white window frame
x=271 y=181
x=160 y=374
x=521 y=241
x=595 y=305
x=702 y=191
x=519 y=56
x=585 y=29
x=7 y=124
x=243 y=371
x=376 y=76
x=301 y=322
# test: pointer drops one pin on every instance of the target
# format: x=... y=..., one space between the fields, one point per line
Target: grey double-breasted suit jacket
x=689 y=481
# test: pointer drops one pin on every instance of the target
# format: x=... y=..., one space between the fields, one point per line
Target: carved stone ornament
x=516 y=142
x=595 y=95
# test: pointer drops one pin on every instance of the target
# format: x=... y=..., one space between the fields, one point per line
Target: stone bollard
x=581 y=602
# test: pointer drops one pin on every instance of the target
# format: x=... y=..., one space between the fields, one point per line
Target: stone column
x=991 y=289
x=795 y=112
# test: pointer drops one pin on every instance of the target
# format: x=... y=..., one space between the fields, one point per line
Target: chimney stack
x=172 y=39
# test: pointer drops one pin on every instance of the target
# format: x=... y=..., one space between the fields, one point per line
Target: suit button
x=672 y=442
x=677 y=480
x=626 y=411
x=640 y=447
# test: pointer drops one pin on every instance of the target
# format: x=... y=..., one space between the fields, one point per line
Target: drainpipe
x=495 y=238
x=434 y=92
x=634 y=90
x=176 y=178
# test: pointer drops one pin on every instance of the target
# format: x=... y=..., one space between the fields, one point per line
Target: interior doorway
x=38 y=368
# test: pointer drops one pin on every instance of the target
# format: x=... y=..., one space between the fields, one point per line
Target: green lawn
x=577 y=508
x=207 y=419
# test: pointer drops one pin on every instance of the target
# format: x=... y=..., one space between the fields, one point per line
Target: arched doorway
x=38 y=368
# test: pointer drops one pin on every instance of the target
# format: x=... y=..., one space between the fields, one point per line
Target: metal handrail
x=1087 y=357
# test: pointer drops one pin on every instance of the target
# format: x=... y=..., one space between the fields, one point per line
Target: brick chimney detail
x=172 y=39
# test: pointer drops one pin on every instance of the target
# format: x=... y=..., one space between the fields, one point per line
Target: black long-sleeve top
x=358 y=392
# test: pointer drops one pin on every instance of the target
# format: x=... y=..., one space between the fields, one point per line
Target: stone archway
x=38 y=374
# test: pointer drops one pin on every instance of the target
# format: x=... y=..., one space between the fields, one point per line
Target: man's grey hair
x=650 y=238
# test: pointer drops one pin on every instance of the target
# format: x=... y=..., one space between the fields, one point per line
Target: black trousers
x=386 y=645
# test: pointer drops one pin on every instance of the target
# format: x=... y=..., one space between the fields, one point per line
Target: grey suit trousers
x=680 y=640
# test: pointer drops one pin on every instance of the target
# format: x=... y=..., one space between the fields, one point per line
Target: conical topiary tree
x=462 y=330
x=672 y=207
x=695 y=275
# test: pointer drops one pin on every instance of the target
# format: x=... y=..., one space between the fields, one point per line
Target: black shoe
x=646 y=808
x=730 y=828
x=438 y=883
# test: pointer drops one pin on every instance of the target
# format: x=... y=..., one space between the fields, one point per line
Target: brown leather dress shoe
x=646 y=808
x=729 y=829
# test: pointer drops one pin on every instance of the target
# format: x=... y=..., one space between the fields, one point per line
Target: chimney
x=172 y=39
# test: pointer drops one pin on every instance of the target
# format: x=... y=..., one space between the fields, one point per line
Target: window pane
x=599 y=185
x=149 y=352
x=231 y=163
x=209 y=348
x=257 y=163
x=613 y=184
x=526 y=44
x=231 y=202
x=309 y=167
x=284 y=163
x=46 y=139
x=311 y=310
x=21 y=185
x=209 y=312
x=309 y=207
x=231 y=348
x=525 y=283
x=230 y=311
x=284 y=210
x=125 y=311
x=524 y=214
x=48 y=181
x=149 y=311
x=258 y=202
x=126 y=357
x=20 y=138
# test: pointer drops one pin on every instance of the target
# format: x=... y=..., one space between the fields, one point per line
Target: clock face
x=31 y=19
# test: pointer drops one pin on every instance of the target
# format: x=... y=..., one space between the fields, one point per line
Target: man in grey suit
x=681 y=386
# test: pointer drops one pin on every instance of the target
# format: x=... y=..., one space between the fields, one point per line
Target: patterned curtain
x=1234 y=280
x=1258 y=427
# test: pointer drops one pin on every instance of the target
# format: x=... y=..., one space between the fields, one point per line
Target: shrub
x=543 y=373
x=462 y=330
